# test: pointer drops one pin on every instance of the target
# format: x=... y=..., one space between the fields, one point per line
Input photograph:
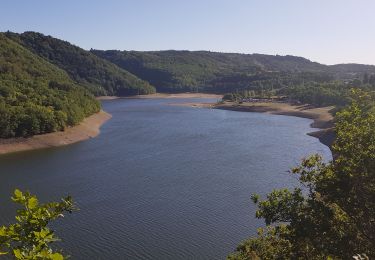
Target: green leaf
x=3 y=231
x=32 y=203
x=17 y=253
x=18 y=194
x=57 y=256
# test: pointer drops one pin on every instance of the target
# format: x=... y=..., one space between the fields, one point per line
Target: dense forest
x=203 y=71
x=319 y=94
x=37 y=97
x=98 y=75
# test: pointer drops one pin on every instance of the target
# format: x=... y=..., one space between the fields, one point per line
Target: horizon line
x=200 y=50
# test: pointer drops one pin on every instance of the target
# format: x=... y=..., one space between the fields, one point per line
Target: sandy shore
x=198 y=105
x=90 y=127
x=321 y=116
x=107 y=97
x=166 y=95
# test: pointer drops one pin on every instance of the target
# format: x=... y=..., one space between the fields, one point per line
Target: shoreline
x=321 y=116
x=164 y=95
x=88 y=128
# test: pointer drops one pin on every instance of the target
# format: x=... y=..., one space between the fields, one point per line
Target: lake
x=163 y=181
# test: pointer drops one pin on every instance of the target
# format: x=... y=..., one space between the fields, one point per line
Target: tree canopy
x=36 y=97
x=203 y=71
x=99 y=76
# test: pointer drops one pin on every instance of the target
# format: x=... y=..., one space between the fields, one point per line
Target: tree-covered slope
x=175 y=71
x=351 y=70
x=206 y=71
x=37 y=97
x=98 y=75
x=170 y=70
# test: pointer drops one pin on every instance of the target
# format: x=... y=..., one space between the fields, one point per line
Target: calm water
x=162 y=181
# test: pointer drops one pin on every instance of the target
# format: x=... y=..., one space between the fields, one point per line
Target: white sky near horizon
x=326 y=31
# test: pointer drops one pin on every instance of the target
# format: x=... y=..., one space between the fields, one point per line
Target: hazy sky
x=327 y=31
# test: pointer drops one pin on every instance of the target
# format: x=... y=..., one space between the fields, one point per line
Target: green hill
x=98 y=75
x=125 y=73
x=351 y=70
x=37 y=97
x=177 y=71
x=45 y=82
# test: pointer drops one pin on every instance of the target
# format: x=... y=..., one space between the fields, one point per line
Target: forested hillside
x=37 y=97
x=178 y=71
x=42 y=79
x=125 y=73
x=98 y=75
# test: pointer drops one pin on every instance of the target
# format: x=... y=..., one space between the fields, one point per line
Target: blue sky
x=327 y=31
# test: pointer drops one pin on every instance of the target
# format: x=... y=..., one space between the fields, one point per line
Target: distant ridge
x=178 y=71
x=47 y=84
x=98 y=75
x=125 y=73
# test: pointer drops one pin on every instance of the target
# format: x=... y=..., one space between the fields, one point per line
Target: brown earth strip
x=89 y=128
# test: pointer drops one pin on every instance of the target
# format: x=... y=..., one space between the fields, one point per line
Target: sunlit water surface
x=163 y=181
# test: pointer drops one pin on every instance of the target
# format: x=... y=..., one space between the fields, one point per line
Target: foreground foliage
x=30 y=237
x=333 y=215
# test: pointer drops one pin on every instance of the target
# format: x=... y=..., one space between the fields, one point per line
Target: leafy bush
x=30 y=237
